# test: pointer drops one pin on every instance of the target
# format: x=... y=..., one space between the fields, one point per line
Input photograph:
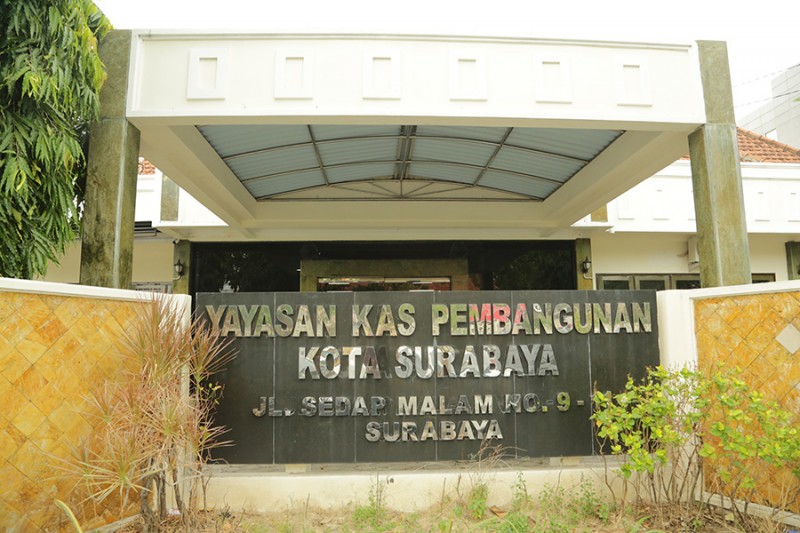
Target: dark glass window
x=652 y=284
x=616 y=284
x=687 y=283
x=659 y=282
x=268 y=267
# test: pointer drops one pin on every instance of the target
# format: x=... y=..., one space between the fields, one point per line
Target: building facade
x=779 y=118
x=645 y=238
x=342 y=155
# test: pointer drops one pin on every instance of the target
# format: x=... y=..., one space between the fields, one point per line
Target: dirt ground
x=456 y=517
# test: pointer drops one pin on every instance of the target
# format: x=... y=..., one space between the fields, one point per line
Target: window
x=659 y=282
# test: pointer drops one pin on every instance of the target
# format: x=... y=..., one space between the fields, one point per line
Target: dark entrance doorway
x=487 y=265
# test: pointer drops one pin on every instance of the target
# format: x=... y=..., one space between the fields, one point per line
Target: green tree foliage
x=50 y=77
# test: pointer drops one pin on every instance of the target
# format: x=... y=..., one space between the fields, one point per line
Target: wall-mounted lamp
x=179 y=268
x=586 y=265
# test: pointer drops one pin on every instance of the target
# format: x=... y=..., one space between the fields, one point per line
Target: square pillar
x=716 y=176
x=107 y=240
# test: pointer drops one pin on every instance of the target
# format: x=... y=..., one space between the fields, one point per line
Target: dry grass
x=436 y=519
x=555 y=509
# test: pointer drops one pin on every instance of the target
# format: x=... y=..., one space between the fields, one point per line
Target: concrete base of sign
x=405 y=487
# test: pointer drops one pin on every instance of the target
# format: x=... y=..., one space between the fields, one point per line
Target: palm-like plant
x=156 y=423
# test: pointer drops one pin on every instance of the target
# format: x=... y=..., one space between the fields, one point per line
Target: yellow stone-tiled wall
x=52 y=350
x=749 y=332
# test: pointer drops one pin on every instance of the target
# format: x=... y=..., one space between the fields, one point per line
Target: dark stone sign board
x=422 y=376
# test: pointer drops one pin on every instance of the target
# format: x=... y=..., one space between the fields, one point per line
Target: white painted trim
x=462 y=91
x=676 y=329
x=85 y=291
x=743 y=290
x=561 y=95
x=194 y=85
x=233 y=34
x=283 y=91
x=395 y=89
x=753 y=509
x=631 y=96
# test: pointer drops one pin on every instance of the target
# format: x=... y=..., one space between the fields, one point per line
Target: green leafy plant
x=519 y=494
x=155 y=428
x=677 y=428
x=751 y=443
x=374 y=515
x=654 y=427
x=476 y=500
x=562 y=510
x=556 y=515
x=50 y=78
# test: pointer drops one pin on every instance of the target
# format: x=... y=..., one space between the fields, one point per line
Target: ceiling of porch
x=416 y=162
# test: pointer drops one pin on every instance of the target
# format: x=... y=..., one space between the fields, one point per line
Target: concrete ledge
x=403 y=489
x=754 y=509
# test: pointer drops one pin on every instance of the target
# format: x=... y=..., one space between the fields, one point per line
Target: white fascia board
x=238 y=73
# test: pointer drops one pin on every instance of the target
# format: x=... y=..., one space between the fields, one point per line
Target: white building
x=649 y=238
x=379 y=149
x=779 y=118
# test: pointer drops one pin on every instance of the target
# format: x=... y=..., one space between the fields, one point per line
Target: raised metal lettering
x=502 y=319
x=386 y=323
x=330 y=362
x=562 y=318
x=261 y=410
x=361 y=320
x=491 y=360
x=440 y=315
x=445 y=355
x=408 y=323
x=305 y=362
x=458 y=319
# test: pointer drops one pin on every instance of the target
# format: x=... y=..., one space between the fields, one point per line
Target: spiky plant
x=156 y=424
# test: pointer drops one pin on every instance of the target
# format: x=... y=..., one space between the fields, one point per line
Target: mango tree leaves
x=50 y=78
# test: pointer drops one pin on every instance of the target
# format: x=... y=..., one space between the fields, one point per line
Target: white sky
x=763 y=38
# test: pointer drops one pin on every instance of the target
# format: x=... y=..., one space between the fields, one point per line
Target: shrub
x=654 y=426
x=665 y=427
x=156 y=429
x=751 y=445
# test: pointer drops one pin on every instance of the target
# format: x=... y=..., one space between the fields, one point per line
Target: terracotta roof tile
x=756 y=148
x=146 y=167
x=759 y=149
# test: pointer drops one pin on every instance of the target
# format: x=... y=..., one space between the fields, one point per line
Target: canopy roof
x=293 y=137
x=411 y=162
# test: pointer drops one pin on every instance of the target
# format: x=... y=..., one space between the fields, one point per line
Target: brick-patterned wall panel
x=760 y=334
x=53 y=349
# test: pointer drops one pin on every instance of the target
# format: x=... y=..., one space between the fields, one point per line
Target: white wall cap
x=85 y=291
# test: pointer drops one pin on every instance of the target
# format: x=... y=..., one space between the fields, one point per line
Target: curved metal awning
x=411 y=161
x=375 y=137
